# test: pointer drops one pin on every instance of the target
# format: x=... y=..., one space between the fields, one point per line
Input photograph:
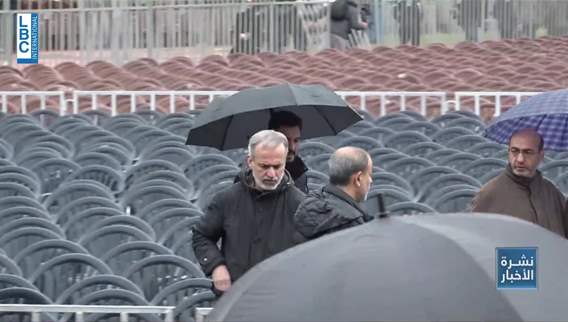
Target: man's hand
x=221 y=278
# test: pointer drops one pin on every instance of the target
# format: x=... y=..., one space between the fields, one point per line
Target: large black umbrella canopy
x=409 y=268
x=229 y=123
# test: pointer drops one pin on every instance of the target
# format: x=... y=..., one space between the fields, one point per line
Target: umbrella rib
x=226 y=132
x=326 y=120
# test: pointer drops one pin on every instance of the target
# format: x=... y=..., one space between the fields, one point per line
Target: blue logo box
x=27 y=33
x=516 y=267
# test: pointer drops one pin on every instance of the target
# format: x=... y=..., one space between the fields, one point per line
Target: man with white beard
x=336 y=206
x=254 y=217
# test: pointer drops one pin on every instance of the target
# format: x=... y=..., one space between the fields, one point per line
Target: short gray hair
x=268 y=138
x=343 y=165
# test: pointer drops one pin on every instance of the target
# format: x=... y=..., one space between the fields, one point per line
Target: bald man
x=521 y=191
x=336 y=206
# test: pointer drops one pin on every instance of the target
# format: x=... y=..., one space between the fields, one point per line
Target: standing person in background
x=521 y=191
x=408 y=13
x=345 y=16
x=470 y=15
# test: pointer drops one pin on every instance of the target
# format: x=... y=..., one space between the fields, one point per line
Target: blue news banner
x=516 y=268
x=27 y=36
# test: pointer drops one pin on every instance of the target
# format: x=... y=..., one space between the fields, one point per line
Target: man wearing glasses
x=521 y=191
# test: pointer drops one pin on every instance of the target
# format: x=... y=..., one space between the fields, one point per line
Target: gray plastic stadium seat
x=77 y=206
x=465 y=141
x=471 y=124
x=425 y=176
x=406 y=167
x=410 y=208
x=562 y=183
x=9 y=280
x=487 y=149
x=414 y=115
x=202 y=162
x=205 y=173
x=490 y=175
x=97 y=242
x=135 y=201
x=6 y=150
x=479 y=168
x=382 y=161
x=422 y=149
x=171 y=117
x=377 y=152
x=116 y=297
x=163 y=221
x=171 y=176
x=446 y=135
x=176 y=292
x=114 y=141
x=403 y=139
x=183 y=247
x=61 y=272
x=445 y=181
x=19 y=170
x=172 y=154
x=53 y=172
x=561 y=155
x=172 y=268
x=8 y=266
x=389 y=117
x=16 y=240
x=11 y=214
x=443 y=120
x=126 y=221
x=81 y=222
x=439 y=155
x=25 y=154
x=171 y=236
x=204 y=199
x=31 y=257
x=73 y=294
x=110 y=178
x=380 y=134
x=362 y=142
x=227 y=176
x=24 y=295
x=67 y=122
x=31 y=222
x=148 y=137
x=319 y=163
x=554 y=169
x=30 y=159
x=381 y=179
x=146 y=167
x=21 y=201
x=23 y=180
x=120 y=257
x=121 y=127
x=10 y=189
x=312 y=148
x=360 y=127
x=157 y=183
x=6 y=163
x=54 y=142
x=149 y=116
x=390 y=197
x=181 y=130
x=467 y=114
x=74 y=190
x=115 y=151
x=186 y=306
x=86 y=159
x=164 y=205
x=459 y=161
x=98 y=117
x=455 y=201
x=317 y=177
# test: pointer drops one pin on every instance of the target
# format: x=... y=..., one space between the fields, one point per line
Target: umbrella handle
x=382 y=209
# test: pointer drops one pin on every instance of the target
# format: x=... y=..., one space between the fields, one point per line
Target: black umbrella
x=229 y=123
x=410 y=268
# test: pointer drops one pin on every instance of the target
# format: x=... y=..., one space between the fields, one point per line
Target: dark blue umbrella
x=547 y=113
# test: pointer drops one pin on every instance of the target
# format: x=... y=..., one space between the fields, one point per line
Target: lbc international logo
x=517 y=268
x=27 y=30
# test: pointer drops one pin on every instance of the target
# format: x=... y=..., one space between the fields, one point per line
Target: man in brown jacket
x=521 y=191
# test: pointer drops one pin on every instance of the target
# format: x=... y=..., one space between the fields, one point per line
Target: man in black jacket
x=254 y=217
x=336 y=206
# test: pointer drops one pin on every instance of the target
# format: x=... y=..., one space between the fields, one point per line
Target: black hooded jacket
x=252 y=224
x=328 y=210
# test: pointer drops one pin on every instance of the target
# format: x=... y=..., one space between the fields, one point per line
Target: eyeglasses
x=525 y=152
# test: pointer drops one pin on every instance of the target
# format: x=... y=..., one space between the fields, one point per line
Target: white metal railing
x=132 y=101
x=80 y=310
